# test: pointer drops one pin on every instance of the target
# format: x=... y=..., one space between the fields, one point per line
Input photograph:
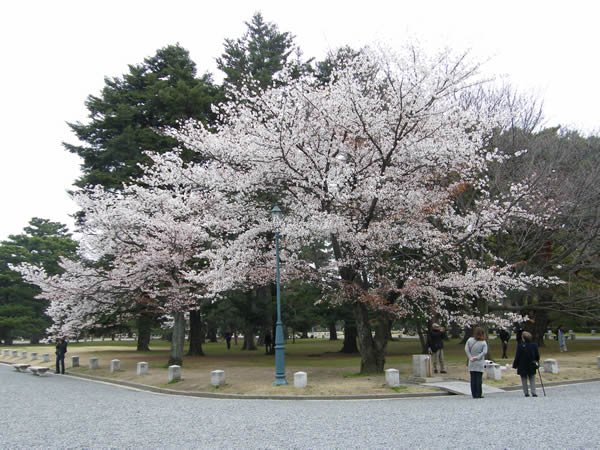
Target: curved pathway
x=61 y=411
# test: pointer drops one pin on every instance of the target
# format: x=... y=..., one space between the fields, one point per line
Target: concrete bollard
x=34 y=356
x=142 y=368
x=598 y=361
x=593 y=332
x=45 y=357
x=571 y=335
x=23 y=355
x=174 y=373
x=93 y=363
x=392 y=377
x=300 y=380
x=115 y=365
x=6 y=352
x=15 y=353
x=493 y=371
x=217 y=377
x=421 y=366
x=74 y=361
x=550 y=366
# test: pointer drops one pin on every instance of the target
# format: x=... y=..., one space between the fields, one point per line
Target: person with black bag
x=527 y=361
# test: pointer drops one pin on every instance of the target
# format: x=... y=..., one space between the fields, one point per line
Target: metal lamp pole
x=279 y=345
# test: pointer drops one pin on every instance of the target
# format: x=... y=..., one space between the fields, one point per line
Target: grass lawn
x=329 y=372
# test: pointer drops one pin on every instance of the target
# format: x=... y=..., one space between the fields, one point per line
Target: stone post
x=217 y=377
x=45 y=357
x=174 y=373
x=598 y=362
x=115 y=365
x=23 y=355
x=142 y=368
x=421 y=366
x=392 y=377
x=6 y=352
x=93 y=363
x=593 y=332
x=74 y=361
x=300 y=380
x=493 y=371
x=33 y=356
x=571 y=335
x=15 y=353
x=550 y=366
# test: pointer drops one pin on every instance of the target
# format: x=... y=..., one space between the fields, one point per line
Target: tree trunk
x=144 y=329
x=422 y=338
x=249 y=343
x=178 y=340
x=350 y=336
x=372 y=348
x=196 y=334
x=332 y=331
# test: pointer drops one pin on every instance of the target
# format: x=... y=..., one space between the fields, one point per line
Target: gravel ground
x=64 y=412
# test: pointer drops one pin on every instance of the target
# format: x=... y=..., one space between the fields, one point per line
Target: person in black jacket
x=61 y=349
x=435 y=344
x=526 y=362
x=504 y=337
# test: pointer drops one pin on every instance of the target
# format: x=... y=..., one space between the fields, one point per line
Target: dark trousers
x=476 y=382
x=60 y=361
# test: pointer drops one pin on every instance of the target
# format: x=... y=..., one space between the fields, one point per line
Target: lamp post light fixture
x=279 y=345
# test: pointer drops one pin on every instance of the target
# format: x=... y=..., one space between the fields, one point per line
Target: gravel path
x=65 y=412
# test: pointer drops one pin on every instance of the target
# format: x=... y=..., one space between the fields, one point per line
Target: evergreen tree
x=126 y=117
x=42 y=243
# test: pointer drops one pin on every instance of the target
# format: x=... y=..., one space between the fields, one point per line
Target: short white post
x=593 y=332
x=174 y=373
x=421 y=366
x=217 y=377
x=493 y=371
x=115 y=365
x=15 y=353
x=598 y=361
x=33 y=356
x=300 y=380
x=74 y=361
x=142 y=368
x=93 y=362
x=23 y=355
x=6 y=352
x=392 y=377
x=45 y=357
x=571 y=335
x=550 y=366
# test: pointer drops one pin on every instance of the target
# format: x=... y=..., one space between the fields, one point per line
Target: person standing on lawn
x=435 y=344
x=504 y=337
x=476 y=348
x=562 y=338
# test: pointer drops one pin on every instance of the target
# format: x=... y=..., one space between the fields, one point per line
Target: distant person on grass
x=227 y=337
x=435 y=345
x=61 y=349
x=562 y=338
x=268 y=343
x=476 y=348
x=504 y=337
x=527 y=361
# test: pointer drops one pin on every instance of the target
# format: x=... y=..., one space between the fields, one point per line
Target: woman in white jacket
x=476 y=348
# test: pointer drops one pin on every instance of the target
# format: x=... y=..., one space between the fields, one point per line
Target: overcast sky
x=56 y=53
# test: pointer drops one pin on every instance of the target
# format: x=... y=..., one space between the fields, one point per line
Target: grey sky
x=57 y=53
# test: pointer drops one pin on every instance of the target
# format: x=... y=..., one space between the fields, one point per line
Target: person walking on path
x=527 y=361
x=435 y=345
x=562 y=338
x=476 y=348
x=504 y=336
x=61 y=349
x=227 y=337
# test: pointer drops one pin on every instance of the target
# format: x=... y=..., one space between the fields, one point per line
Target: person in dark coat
x=435 y=344
x=268 y=343
x=504 y=337
x=227 y=337
x=526 y=362
x=61 y=350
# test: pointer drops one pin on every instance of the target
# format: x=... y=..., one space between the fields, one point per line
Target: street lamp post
x=279 y=345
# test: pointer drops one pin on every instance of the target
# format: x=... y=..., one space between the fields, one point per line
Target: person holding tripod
x=527 y=361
